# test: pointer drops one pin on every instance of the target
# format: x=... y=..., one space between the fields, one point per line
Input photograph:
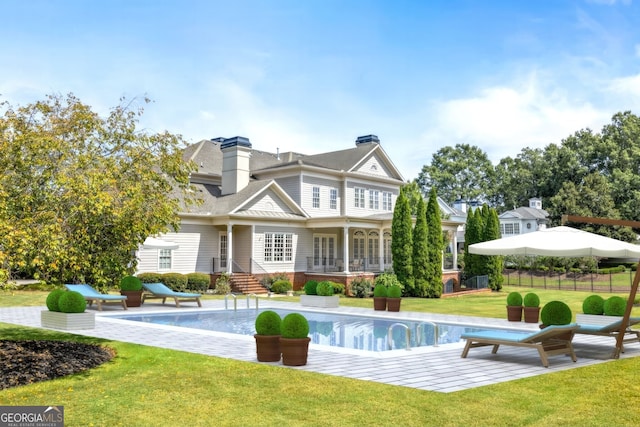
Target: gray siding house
x=309 y=216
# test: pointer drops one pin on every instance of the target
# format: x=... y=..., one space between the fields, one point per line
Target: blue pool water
x=346 y=331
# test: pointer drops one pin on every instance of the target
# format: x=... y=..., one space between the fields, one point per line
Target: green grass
x=148 y=386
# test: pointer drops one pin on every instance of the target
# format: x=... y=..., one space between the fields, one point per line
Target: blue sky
x=313 y=75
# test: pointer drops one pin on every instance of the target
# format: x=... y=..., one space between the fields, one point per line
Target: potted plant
x=593 y=304
x=531 y=309
x=514 y=307
x=394 y=297
x=131 y=286
x=555 y=313
x=319 y=294
x=294 y=339
x=268 y=325
x=614 y=306
x=66 y=310
x=380 y=297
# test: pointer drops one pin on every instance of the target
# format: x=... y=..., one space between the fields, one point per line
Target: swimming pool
x=330 y=329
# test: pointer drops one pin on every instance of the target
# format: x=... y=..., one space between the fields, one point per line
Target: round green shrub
x=198 y=281
x=555 y=313
x=268 y=323
x=53 y=299
x=338 y=288
x=281 y=286
x=514 y=299
x=380 y=291
x=386 y=279
x=593 y=304
x=175 y=281
x=295 y=325
x=531 y=300
x=394 y=291
x=310 y=288
x=360 y=287
x=72 y=302
x=325 y=288
x=615 y=306
x=150 y=277
x=130 y=283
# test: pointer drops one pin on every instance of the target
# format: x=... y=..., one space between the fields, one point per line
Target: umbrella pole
x=627 y=313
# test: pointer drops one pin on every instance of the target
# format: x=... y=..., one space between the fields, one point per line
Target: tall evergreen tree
x=493 y=264
x=472 y=234
x=420 y=251
x=401 y=243
x=435 y=247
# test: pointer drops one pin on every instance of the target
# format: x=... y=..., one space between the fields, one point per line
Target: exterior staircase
x=246 y=284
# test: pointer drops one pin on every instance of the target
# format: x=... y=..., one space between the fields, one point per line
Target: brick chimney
x=236 y=153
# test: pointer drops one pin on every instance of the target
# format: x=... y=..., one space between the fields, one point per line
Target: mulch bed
x=26 y=362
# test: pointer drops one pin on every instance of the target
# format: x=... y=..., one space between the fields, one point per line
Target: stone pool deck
x=439 y=369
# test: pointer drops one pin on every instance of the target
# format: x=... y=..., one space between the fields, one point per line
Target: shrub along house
x=322 y=216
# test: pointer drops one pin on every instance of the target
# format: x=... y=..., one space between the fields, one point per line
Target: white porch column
x=229 y=248
x=455 y=250
x=345 y=245
x=381 y=248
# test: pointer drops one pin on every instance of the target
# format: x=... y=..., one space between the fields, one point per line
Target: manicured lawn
x=148 y=386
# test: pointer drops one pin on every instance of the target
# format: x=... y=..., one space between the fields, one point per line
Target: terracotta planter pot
x=393 y=304
x=294 y=351
x=531 y=314
x=134 y=298
x=380 y=303
x=268 y=348
x=514 y=313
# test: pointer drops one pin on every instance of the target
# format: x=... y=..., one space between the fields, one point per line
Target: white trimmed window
x=278 y=247
x=316 y=197
x=386 y=201
x=333 y=198
x=374 y=200
x=358 y=197
x=164 y=259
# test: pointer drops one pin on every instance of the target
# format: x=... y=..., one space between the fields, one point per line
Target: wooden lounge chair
x=549 y=341
x=608 y=326
x=160 y=290
x=91 y=295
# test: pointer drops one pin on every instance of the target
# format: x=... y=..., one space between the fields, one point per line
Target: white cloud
x=502 y=120
x=626 y=86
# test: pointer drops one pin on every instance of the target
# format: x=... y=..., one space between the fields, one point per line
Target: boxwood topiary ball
x=295 y=325
x=514 y=299
x=394 y=291
x=311 y=287
x=325 y=288
x=555 y=313
x=531 y=300
x=72 y=302
x=615 y=306
x=53 y=298
x=130 y=283
x=593 y=304
x=268 y=323
x=380 y=291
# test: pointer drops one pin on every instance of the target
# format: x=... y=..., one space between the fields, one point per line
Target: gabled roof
x=525 y=213
x=214 y=204
x=207 y=156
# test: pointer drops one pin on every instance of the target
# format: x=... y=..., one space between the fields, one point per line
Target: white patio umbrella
x=567 y=242
x=558 y=241
x=155 y=243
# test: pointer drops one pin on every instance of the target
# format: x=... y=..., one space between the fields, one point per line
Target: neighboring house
x=524 y=219
x=309 y=216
